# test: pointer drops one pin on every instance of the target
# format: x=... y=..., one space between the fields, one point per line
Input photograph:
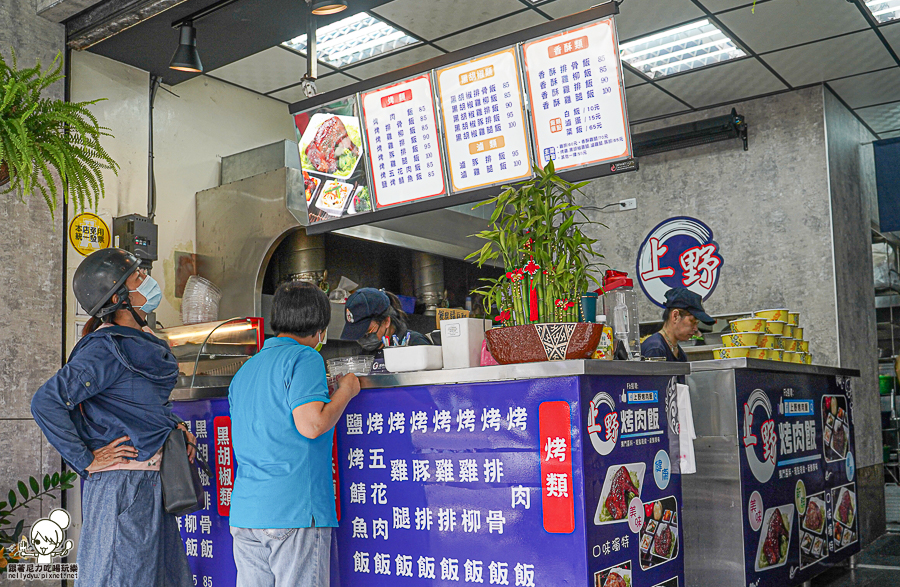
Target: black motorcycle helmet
x=101 y=275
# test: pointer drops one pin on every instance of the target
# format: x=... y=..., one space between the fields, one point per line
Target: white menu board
x=577 y=102
x=401 y=128
x=484 y=121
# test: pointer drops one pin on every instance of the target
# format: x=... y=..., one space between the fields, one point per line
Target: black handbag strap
x=197 y=459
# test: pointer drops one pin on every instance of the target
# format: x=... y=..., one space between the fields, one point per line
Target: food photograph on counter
x=332 y=159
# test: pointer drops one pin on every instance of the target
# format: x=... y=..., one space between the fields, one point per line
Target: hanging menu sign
x=578 y=106
x=331 y=156
x=404 y=152
x=484 y=121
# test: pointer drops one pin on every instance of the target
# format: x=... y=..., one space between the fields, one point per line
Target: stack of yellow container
x=774 y=335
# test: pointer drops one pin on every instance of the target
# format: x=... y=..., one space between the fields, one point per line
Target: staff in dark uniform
x=684 y=310
x=372 y=314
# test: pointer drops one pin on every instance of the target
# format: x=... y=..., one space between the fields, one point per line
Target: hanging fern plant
x=42 y=139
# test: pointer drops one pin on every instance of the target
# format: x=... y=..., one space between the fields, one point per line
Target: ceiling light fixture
x=186 y=57
x=680 y=49
x=884 y=10
x=353 y=39
x=325 y=7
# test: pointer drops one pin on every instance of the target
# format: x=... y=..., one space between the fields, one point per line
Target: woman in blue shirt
x=282 y=426
x=108 y=414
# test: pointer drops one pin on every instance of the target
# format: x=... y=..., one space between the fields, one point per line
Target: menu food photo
x=331 y=156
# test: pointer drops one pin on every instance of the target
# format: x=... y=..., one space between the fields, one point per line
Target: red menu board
x=404 y=150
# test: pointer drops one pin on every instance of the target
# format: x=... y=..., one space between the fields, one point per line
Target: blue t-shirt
x=284 y=479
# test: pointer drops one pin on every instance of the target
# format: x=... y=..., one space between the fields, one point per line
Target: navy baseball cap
x=363 y=305
x=684 y=299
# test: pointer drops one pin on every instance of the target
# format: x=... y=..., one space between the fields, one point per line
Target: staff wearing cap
x=373 y=314
x=684 y=310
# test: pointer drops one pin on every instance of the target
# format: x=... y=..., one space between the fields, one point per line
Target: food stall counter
x=555 y=473
x=774 y=499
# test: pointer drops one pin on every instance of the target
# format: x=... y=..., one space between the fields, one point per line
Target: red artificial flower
x=504 y=316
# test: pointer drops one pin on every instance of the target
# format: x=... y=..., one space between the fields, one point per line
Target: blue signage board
x=206 y=534
x=442 y=484
x=679 y=252
x=563 y=481
x=633 y=494
x=797 y=475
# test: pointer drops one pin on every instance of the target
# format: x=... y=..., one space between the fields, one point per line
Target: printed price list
x=578 y=108
x=401 y=128
x=484 y=122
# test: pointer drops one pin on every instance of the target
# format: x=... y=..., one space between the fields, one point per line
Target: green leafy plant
x=43 y=138
x=536 y=231
x=27 y=493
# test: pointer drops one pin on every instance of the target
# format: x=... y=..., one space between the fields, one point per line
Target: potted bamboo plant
x=536 y=232
x=42 y=139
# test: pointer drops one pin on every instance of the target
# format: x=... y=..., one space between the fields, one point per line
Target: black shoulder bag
x=182 y=491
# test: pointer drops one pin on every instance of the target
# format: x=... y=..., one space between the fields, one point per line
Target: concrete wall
x=792 y=218
x=852 y=184
x=31 y=291
x=192 y=132
x=768 y=208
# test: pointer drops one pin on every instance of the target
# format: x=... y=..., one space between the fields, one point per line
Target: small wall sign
x=679 y=252
x=88 y=233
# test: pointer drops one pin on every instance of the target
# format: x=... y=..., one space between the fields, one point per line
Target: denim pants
x=287 y=557
x=128 y=538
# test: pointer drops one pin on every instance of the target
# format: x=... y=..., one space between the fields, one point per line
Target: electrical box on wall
x=138 y=235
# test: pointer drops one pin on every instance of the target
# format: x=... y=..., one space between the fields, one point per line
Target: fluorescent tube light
x=353 y=39
x=682 y=48
x=884 y=10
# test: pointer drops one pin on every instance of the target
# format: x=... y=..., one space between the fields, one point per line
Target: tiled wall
x=30 y=284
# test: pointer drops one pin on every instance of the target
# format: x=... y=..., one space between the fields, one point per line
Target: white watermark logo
x=46 y=542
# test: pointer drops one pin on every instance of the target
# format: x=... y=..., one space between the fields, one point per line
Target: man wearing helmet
x=108 y=414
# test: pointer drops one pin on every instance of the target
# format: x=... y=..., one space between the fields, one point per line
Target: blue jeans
x=128 y=537
x=286 y=557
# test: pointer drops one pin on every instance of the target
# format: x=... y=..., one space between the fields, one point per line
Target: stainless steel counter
x=479 y=374
x=714 y=497
x=778 y=366
x=523 y=371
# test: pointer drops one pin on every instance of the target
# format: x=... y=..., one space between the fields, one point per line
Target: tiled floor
x=878 y=566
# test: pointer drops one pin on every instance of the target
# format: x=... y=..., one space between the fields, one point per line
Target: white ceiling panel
x=632 y=79
x=857 y=53
x=648 y=102
x=430 y=20
x=871 y=88
x=514 y=23
x=784 y=23
x=891 y=32
x=323 y=84
x=636 y=17
x=394 y=61
x=560 y=8
x=735 y=80
x=264 y=71
x=720 y=5
x=882 y=118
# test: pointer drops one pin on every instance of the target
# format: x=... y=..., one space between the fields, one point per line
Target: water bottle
x=620 y=302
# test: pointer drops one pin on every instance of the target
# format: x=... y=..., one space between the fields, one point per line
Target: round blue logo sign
x=679 y=252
